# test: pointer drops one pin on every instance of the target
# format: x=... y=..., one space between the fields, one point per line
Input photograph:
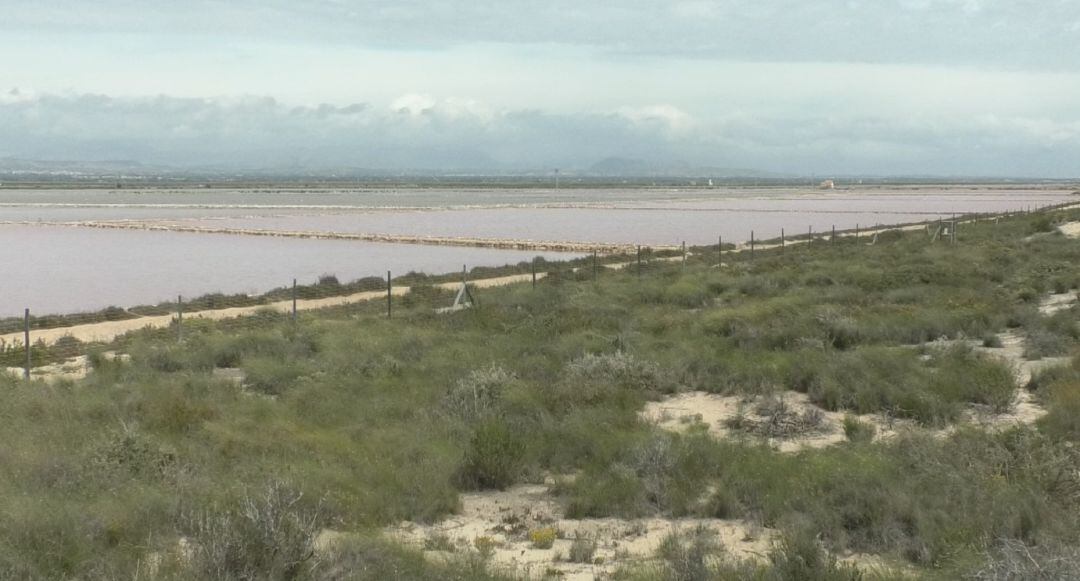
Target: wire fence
x=59 y=345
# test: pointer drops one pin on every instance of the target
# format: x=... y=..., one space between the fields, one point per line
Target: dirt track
x=109 y=330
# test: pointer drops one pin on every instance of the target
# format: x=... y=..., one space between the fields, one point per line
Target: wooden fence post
x=26 y=343
x=179 y=318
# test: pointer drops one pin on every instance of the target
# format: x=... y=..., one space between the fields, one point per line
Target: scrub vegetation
x=158 y=467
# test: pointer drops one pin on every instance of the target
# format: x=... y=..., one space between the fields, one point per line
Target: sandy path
x=108 y=330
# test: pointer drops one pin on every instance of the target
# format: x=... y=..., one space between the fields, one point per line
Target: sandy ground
x=682 y=411
x=1056 y=303
x=108 y=330
x=1070 y=229
x=505 y=518
x=72 y=369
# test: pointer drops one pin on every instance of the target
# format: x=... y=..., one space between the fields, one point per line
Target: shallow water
x=64 y=269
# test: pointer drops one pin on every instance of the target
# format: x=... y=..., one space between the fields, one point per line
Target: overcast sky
x=948 y=87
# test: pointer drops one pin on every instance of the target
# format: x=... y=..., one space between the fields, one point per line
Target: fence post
x=294 y=300
x=684 y=253
x=179 y=318
x=465 y=285
x=809 y=236
x=534 y=273
x=719 y=252
x=389 y=296
x=856 y=233
x=832 y=238
x=639 y=261
x=751 y=245
x=26 y=342
x=782 y=243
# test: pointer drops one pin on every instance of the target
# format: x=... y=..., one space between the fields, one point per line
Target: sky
x=806 y=87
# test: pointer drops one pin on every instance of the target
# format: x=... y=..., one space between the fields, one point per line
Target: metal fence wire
x=56 y=344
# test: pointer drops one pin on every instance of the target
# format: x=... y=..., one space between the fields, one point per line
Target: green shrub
x=1063 y=406
x=618 y=376
x=494 y=456
x=582 y=549
x=858 y=431
x=477 y=395
x=271 y=376
x=614 y=490
x=962 y=375
x=270 y=536
x=800 y=557
x=1044 y=343
x=687 y=556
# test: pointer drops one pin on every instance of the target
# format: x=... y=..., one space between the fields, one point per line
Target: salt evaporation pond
x=66 y=269
x=55 y=269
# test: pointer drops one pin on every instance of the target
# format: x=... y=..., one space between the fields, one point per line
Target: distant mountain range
x=628 y=167
x=608 y=169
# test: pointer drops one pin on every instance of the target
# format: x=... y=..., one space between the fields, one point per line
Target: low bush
x=858 y=431
x=494 y=457
x=269 y=536
x=582 y=549
x=543 y=538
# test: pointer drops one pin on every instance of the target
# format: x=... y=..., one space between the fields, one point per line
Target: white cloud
x=413 y=105
x=454 y=133
x=668 y=117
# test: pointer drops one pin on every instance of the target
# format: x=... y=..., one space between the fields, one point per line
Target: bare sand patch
x=683 y=411
x=504 y=519
x=1070 y=229
x=72 y=369
x=1012 y=352
x=1057 y=303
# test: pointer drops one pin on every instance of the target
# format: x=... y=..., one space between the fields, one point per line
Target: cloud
x=1037 y=34
x=429 y=133
x=666 y=117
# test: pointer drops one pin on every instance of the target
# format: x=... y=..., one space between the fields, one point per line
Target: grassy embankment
x=346 y=420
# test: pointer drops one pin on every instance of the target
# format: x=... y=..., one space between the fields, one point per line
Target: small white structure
x=827 y=185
